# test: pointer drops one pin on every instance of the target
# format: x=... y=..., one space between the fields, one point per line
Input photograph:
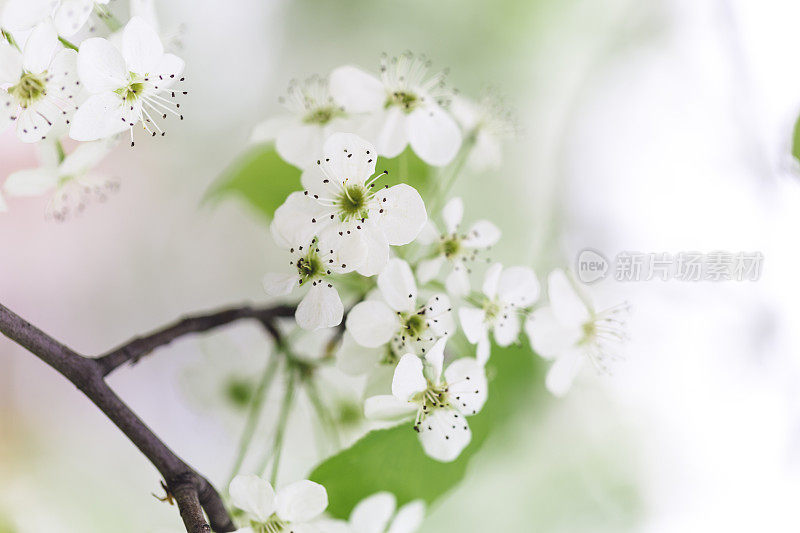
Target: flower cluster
x=419 y=324
x=58 y=84
x=300 y=507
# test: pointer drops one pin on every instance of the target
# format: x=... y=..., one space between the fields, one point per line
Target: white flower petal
x=84 y=158
x=482 y=234
x=71 y=15
x=438 y=313
x=444 y=433
x=466 y=381
x=377 y=250
x=433 y=134
x=372 y=514
x=563 y=371
x=253 y=495
x=403 y=214
x=301 y=501
x=347 y=252
x=434 y=360
x=33 y=126
x=40 y=48
x=429 y=234
x=567 y=306
x=168 y=70
x=408 y=518
x=300 y=144
x=372 y=323
x=356 y=90
x=10 y=64
x=351 y=157
x=31 y=182
x=391 y=137
x=141 y=47
x=486 y=153
x=387 y=407
x=408 y=377
x=100 y=116
x=518 y=286
x=506 y=328
x=548 y=336
x=457 y=281
x=101 y=66
x=452 y=214
x=473 y=322
x=397 y=286
x=277 y=284
x=18 y=15
x=292 y=224
x=320 y=308
x=428 y=269
x=490 y=280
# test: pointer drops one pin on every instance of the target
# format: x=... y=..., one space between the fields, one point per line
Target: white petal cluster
x=88 y=89
x=295 y=507
x=570 y=332
x=455 y=248
x=440 y=400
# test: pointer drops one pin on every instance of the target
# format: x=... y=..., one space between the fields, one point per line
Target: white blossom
x=312 y=265
x=69 y=16
x=569 y=332
x=405 y=107
x=69 y=178
x=441 y=400
x=379 y=514
x=506 y=292
x=340 y=199
x=454 y=248
x=487 y=124
x=128 y=86
x=313 y=116
x=398 y=319
x=294 y=507
x=38 y=86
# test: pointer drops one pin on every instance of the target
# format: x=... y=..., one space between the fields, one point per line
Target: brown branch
x=136 y=348
x=193 y=493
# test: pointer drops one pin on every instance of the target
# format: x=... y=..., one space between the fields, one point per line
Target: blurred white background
x=660 y=126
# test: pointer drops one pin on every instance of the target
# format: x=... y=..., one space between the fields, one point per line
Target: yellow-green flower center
x=405 y=100
x=352 y=203
x=31 y=88
x=131 y=92
x=309 y=267
x=322 y=115
x=450 y=247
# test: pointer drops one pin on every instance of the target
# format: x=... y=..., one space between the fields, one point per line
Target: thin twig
x=138 y=347
x=193 y=493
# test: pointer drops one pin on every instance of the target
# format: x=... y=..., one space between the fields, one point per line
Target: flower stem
x=453 y=172
x=253 y=414
x=323 y=415
x=68 y=44
x=283 y=417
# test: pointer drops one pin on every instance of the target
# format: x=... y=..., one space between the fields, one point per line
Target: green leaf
x=796 y=140
x=393 y=460
x=405 y=168
x=259 y=176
